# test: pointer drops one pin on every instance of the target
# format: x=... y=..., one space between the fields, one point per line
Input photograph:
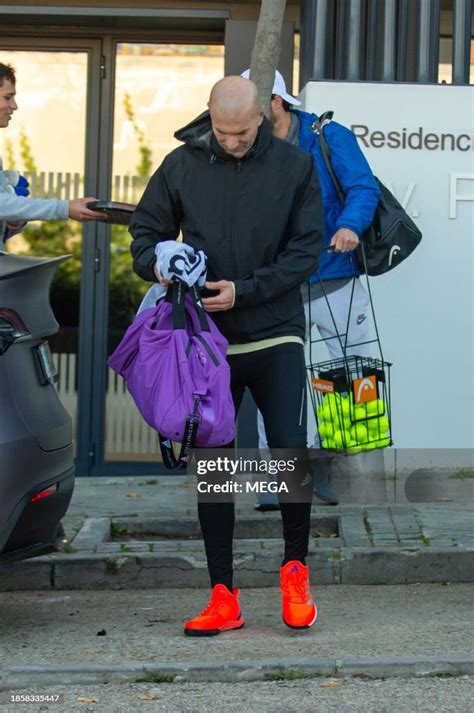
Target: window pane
x=159 y=88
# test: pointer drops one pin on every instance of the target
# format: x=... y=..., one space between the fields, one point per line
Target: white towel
x=176 y=260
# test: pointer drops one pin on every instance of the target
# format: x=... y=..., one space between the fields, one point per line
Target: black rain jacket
x=258 y=219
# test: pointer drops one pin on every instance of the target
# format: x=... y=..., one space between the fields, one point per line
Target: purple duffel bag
x=173 y=360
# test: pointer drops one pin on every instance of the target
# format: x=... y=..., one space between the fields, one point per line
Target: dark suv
x=36 y=460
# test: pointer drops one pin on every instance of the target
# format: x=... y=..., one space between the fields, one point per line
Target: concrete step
x=368 y=545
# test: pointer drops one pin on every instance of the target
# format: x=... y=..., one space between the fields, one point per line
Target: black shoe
x=321 y=471
x=267 y=507
x=325 y=492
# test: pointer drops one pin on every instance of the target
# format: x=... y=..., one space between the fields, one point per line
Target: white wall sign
x=419 y=141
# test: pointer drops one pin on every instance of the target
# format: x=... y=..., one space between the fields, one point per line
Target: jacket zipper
x=234 y=211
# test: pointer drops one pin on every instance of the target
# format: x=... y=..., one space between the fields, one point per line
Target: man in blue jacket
x=344 y=224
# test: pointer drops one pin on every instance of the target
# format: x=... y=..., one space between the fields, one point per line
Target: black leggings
x=276 y=378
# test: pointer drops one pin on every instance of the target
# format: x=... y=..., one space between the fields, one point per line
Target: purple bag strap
x=189 y=439
x=196 y=298
x=177 y=295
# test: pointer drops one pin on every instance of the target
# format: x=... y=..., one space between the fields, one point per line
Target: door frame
x=94 y=463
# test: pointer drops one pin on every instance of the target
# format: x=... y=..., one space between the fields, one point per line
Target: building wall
x=244 y=10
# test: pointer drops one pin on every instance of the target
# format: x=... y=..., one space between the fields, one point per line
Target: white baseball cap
x=279 y=87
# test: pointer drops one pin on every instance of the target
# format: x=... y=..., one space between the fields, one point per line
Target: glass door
x=96 y=117
x=50 y=140
x=158 y=88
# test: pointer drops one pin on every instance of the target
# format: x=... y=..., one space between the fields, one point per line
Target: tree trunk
x=266 y=50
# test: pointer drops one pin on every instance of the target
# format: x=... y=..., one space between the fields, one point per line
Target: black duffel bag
x=392 y=236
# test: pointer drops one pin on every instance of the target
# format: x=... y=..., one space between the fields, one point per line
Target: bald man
x=252 y=202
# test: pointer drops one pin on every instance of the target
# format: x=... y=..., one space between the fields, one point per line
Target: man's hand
x=224 y=300
x=162 y=280
x=344 y=240
x=78 y=210
x=12 y=229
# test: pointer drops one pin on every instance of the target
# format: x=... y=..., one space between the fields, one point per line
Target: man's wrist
x=352 y=230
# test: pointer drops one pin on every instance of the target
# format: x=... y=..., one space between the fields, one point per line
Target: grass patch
x=114 y=564
x=291 y=675
x=336 y=555
x=368 y=676
x=463 y=473
x=150 y=547
x=156 y=677
x=124 y=548
x=426 y=540
x=117 y=530
x=367 y=525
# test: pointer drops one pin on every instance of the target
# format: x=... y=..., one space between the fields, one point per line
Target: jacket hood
x=198 y=134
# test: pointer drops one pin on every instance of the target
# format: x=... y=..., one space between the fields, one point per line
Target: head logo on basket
x=365 y=389
x=322 y=385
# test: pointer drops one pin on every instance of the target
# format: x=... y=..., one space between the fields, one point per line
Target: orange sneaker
x=298 y=609
x=221 y=614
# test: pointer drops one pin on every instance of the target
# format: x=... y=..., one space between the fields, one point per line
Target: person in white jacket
x=16 y=210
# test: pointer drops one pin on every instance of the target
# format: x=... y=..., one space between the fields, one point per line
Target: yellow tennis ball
x=327 y=412
x=360 y=413
x=342 y=438
x=359 y=433
x=340 y=423
x=379 y=425
x=327 y=443
x=375 y=408
x=335 y=416
x=345 y=406
x=320 y=413
x=326 y=429
x=322 y=429
x=382 y=443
